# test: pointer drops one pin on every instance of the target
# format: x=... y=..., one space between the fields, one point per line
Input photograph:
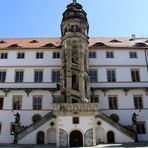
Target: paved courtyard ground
x=138 y=145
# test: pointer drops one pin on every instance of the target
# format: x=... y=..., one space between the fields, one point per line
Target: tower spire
x=74 y=1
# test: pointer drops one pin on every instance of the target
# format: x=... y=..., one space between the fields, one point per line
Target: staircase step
x=118 y=126
x=35 y=125
x=76 y=93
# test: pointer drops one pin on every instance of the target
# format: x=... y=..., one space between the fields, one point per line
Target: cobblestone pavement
x=131 y=145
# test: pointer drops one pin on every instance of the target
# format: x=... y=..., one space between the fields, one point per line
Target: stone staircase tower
x=75 y=85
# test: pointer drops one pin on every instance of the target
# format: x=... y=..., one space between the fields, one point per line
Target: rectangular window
x=140 y=127
x=19 y=76
x=138 y=102
x=56 y=55
x=0 y=127
x=20 y=55
x=55 y=76
x=2 y=76
x=75 y=120
x=39 y=55
x=57 y=99
x=1 y=103
x=133 y=55
x=17 y=102
x=94 y=99
x=111 y=75
x=38 y=76
x=4 y=55
x=93 y=76
x=37 y=102
x=112 y=102
x=92 y=54
x=12 y=128
x=109 y=54
x=135 y=75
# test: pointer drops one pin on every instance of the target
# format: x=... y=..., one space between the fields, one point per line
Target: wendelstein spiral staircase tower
x=75 y=85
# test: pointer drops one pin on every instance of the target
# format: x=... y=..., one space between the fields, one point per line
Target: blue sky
x=42 y=18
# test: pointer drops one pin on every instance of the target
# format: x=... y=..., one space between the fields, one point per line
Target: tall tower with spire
x=74 y=28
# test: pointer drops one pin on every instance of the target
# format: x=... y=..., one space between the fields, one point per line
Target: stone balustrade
x=75 y=107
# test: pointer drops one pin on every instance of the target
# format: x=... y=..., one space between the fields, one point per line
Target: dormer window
x=115 y=41
x=140 y=45
x=2 y=42
x=14 y=46
x=34 y=41
x=49 y=45
x=99 y=44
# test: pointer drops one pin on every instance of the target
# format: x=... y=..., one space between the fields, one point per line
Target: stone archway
x=51 y=136
x=110 y=137
x=40 y=137
x=100 y=135
x=75 y=139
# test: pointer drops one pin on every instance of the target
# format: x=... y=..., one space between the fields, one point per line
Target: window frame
x=133 y=55
x=19 y=78
x=58 y=99
x=39 y=55
x=21 y=55
x=110 y=55
x=3 y=74
x=138 y=101
x=53 y=76
x=19 y=99
x=112 y=77
x=93 y=79
x=56 y=55
x=136 y=76
x=95 y=98
x=92 y=54
x=38 y=75
x=141 y=127
x=75 y=120
x=4 y=55
x=113 y=102
x=37 y=106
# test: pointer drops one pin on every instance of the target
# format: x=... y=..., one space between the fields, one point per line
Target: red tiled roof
x=41 y=42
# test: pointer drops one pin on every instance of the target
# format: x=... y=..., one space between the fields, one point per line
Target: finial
x=74 y=1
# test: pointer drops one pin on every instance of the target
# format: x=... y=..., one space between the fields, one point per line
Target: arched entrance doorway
x=40 y=137
x=51 y=135
x=110 y=137
x=76 y=139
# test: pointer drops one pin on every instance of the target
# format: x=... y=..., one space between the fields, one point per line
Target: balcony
x=75 y=107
